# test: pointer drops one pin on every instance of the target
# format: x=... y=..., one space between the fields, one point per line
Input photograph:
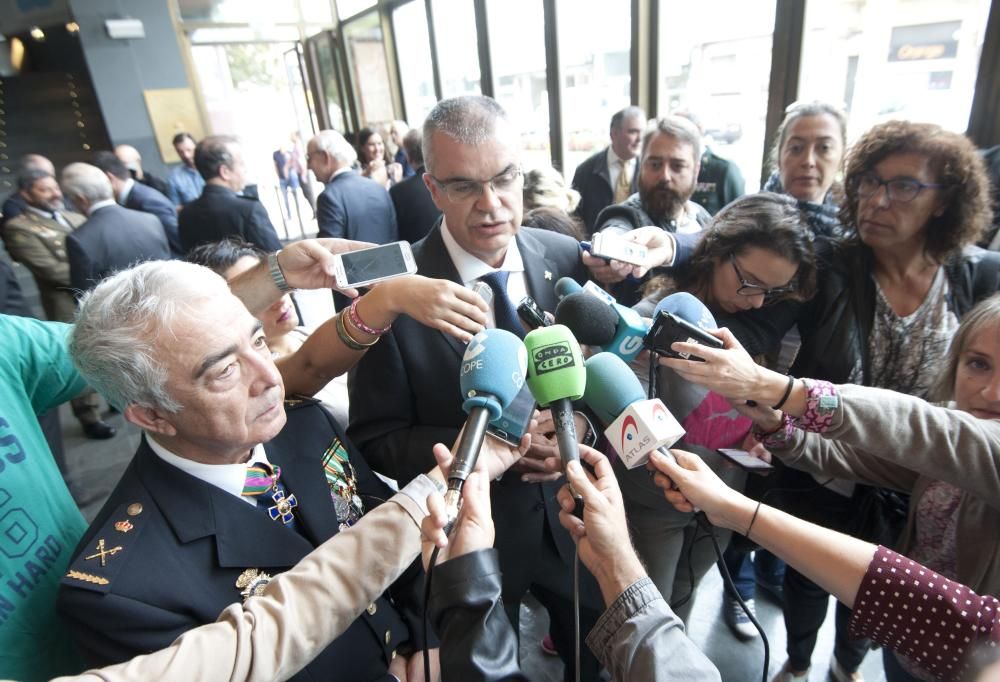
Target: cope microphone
x=557 y=377
x=622 y=332
x=492 y=373
x=635 y=425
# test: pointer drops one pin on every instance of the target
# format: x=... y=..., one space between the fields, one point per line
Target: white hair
x=114 y=342
x=334 y=144
x=87 y=182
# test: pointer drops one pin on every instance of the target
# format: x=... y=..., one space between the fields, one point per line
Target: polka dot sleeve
x=911 y=609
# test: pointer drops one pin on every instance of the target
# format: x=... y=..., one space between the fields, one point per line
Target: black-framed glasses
x=897 y=189
x=461 y=190
x=751 y=289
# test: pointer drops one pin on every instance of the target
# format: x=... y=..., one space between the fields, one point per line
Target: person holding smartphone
x=754 y=253
x=945 y=458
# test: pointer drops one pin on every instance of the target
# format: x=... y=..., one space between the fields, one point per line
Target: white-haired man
x=231 y=483
x=113 y=237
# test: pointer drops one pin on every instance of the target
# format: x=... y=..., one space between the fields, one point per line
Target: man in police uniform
x=36 y=238
x=230 y=486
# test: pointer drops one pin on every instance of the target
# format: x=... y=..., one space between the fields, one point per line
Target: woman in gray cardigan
x=947 y=459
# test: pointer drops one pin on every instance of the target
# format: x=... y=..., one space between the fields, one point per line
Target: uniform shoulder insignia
x=99 y=561
x=295 y=402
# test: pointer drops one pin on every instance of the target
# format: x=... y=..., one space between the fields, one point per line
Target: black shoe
x=99 y=430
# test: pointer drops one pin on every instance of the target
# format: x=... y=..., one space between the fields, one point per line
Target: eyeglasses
x=898 y=189
x=462 y=190
x=751 y=289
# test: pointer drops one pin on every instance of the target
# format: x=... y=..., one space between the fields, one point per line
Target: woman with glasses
x=807 y=157
x=889 y=299
x=754 y=253
x=945 y=458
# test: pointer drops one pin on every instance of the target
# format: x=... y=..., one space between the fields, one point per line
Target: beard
x=661 y=202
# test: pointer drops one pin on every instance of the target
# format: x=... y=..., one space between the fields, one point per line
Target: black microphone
x=592 y=322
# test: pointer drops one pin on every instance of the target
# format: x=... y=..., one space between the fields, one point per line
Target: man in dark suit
x=351 y=206
x=139 y=197
x=415 y=209
x=220 y=212
x=600 y=179
x=404 y=394
x=231 y=483
x=130 y=156
x=112 y=238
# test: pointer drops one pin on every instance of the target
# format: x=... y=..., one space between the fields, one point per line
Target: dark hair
x=554 y=220
x=363 y=136
x=220 y=256
x=955 y=164
x=765 y=220
x=413 y=145
x=27 y=178
x=109 y=163
x=677 y=127
x=212 y=153
x=180 y=137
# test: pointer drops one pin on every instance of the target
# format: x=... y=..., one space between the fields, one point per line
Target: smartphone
x=513 y=423
x=617 y=248
x=746 y=461
x=378 y=263
x=532 y=313
x=668 y=328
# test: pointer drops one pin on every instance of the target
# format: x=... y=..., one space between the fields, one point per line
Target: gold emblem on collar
x=123 y=526
x=87 y=578
x=252 y=582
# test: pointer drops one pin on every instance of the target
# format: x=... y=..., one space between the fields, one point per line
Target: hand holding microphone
x=491 y=375
x=556 y=377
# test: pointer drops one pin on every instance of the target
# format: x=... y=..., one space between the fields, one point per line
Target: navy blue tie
x=504 y=310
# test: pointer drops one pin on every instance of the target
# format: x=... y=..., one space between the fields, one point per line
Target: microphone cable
x=427 y=605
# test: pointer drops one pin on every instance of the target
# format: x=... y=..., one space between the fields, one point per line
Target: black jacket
x=112 y=239
x=190 y=541
x=352 y=206
x=836 y=323
x=415 y=210
x=219 y=213
x=592 y=181
x=148 y=200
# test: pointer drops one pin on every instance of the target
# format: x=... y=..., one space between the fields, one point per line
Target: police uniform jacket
x=190 y=542
x=39 y=243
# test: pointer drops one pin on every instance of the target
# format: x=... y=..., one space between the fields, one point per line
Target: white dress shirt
x=228 y=477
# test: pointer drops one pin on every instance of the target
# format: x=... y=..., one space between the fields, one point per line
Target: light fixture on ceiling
x=72 y=27
x=37 y=33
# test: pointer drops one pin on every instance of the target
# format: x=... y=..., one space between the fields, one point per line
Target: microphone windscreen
x=688 y=308
x=611 y=386
x=592 y=321
x=555 y=365
x=566 y=286
x=493 y=371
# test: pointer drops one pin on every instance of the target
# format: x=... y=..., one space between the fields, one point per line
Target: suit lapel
x=433 y=261
x=303 y=475
x=244 y=537
x=601 y=167
x=536 y=267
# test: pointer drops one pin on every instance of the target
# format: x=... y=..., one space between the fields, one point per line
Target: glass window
x=369 y=71
x=326 y=64
x=457 y=50
x=348 y=8
x=718 y=68
x=316 y=11
x=416 y=73
x=595 y=65
x=886 y=59
x=238 y=11
x=520 y=73
x=250 y=34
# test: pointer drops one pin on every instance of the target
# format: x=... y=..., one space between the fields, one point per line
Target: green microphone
x=557 y=377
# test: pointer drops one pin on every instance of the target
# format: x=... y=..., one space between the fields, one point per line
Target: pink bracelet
x=359 y=323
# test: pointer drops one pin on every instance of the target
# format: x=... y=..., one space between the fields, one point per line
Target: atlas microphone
x=635 y=425
x=615 y=328
x=557 y=377
x=492 y=373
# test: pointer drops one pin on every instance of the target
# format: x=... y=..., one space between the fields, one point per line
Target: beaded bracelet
x=347 y=339
x=360 y=324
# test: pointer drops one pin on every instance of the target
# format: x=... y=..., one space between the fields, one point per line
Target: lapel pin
x=548 y=275
x=252 y=583
x=102 y=553
x=123 y=526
